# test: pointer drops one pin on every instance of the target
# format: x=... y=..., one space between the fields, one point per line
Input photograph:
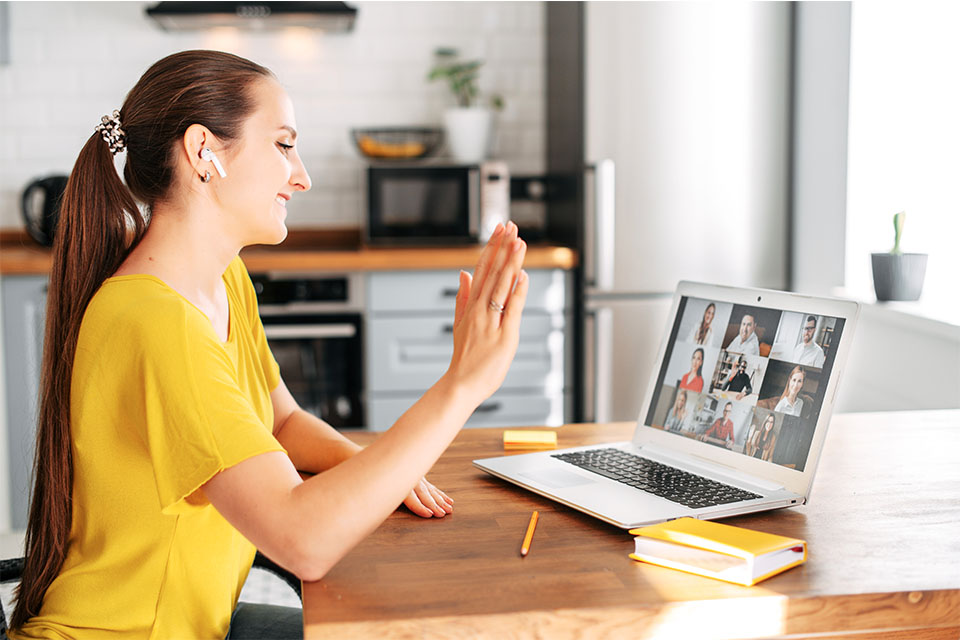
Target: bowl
x=397 y=143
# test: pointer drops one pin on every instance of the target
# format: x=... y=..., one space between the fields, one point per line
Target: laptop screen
x=748 y=378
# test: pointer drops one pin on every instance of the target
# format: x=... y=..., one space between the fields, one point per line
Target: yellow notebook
x=529 y=439
x=715 y=550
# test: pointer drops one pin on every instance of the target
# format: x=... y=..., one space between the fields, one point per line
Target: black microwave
x=436 y=203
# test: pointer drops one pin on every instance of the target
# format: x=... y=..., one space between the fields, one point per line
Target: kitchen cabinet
x=24 y=305
x=409 y=341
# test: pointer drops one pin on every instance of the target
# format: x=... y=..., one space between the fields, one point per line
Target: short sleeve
x=244 y=288
x=198 y=421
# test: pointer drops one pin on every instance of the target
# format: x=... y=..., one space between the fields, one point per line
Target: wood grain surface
x=305 y=250
x=883 y=526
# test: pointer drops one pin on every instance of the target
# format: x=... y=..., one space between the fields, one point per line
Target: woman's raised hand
x=486 y=326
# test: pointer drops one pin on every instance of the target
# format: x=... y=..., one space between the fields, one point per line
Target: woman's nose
x=300 y=179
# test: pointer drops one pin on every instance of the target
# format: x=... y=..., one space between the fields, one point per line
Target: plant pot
x=468 y=133
x=898 y=277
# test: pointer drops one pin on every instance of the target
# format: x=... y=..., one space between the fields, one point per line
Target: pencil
x=527 y=539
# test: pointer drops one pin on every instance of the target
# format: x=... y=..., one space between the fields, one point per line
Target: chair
x=11 y=570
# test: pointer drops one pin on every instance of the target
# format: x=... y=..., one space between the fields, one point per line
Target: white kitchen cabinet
x=409 y=341
x=24 y=305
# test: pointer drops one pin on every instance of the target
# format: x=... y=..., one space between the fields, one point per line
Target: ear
x=195 y=138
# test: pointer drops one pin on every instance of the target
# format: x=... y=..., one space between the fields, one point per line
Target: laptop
x=733 y=421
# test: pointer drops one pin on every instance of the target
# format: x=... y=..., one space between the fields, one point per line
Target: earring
x=206 y=177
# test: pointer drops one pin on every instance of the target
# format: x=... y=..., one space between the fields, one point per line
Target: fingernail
x=498 y=230
x=517 y=244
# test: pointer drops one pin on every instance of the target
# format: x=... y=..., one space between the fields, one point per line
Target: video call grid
x=725 y=381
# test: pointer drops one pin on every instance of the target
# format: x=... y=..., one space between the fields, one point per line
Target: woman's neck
x=186 y=251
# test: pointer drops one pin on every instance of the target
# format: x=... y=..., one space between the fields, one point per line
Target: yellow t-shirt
x=159 y=405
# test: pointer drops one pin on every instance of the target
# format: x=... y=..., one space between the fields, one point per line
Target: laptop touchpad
x=555 y=478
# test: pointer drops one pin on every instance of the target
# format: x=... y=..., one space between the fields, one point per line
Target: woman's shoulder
x=139 y=307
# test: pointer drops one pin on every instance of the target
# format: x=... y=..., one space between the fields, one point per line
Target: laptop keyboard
x=662 y=480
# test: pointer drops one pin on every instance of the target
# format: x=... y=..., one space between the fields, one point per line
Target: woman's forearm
x=312 y=444
x=346 y=503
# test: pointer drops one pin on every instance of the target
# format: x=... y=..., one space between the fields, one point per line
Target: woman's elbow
x=309 y=563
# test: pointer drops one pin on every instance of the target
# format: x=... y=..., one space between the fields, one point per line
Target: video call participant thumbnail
x=809 y=352
x=722 y=428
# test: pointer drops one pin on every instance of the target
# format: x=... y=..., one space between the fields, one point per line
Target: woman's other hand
x=484 y=338
x=427 y=501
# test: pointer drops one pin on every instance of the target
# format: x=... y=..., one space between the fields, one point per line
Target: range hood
x=328 y=16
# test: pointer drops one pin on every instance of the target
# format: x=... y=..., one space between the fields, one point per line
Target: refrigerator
x=678 y=115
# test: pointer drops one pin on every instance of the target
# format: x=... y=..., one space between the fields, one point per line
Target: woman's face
x=708 y=315
x=697 y=361
x=795 y=384
x=768 y=423
x=681 y=401
x=263 y=169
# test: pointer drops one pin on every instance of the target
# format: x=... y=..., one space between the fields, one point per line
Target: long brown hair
x=100 y=223
x=702 y=329
x=786 y=388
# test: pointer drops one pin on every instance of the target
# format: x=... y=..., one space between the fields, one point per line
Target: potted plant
x=469 y=125
x=898 y=275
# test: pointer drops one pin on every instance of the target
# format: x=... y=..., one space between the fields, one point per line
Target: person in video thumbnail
x=739 y=381
x=677 y=417
x=693 y=379
x=702 y=333
x=790 y=402
x=746 y=341
x=809 y=352
x=764 y=440
x=722 y=428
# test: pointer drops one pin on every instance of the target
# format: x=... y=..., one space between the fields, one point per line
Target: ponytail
x=91 y=241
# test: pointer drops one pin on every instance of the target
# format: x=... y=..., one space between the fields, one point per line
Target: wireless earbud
x=210 y=156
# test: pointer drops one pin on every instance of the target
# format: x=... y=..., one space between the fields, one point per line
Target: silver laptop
x=733 y=421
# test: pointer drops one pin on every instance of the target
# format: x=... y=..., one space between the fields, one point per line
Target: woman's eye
x=286 y=147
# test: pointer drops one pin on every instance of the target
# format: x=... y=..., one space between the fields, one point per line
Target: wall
x=821 y=88
x=71 y=62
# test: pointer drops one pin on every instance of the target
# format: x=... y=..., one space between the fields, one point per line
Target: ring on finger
x=496 y=306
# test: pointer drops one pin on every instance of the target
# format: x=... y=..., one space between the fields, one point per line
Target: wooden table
x=883 y=527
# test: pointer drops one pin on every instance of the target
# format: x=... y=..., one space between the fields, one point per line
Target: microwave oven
x=436 y=203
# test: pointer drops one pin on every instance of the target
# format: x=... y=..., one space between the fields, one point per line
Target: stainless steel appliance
x=691 y=103
x=429 y=203
x=314 y=328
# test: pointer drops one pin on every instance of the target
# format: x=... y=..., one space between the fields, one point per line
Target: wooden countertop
x=313 y=251
x=881 y=526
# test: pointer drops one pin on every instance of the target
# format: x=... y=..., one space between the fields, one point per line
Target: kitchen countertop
x=308 y=250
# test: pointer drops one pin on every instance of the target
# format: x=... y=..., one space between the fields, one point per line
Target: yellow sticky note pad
x=528 y=439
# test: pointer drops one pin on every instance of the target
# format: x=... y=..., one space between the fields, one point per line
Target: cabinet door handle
x=300 y=332
x=449 y=293
x=448 y=328
x=489 y=407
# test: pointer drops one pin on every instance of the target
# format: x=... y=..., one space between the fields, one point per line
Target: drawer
x=502 y=409
x=410 y=354
x=431 y=291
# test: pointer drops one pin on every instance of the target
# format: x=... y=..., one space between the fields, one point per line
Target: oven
x=314 y=328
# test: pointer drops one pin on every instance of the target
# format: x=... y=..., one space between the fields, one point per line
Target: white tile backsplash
x=71 y=62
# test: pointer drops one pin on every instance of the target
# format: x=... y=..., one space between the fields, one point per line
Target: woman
x=168 y=445
x=693 y=379
x=763 y=441
x=789 y=402
x=677 y=416
x=702 y=333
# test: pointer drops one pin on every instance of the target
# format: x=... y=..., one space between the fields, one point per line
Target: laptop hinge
x=710 y=466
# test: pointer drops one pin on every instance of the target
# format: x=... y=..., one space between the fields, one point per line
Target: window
x=904 y=143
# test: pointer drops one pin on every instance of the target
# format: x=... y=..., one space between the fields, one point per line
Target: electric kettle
x=41 y=207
